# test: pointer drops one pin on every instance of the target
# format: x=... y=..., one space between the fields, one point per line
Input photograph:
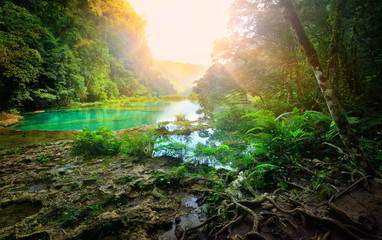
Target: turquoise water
x=112 y=116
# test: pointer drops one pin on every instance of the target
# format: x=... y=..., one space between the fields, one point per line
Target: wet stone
x=38 y=187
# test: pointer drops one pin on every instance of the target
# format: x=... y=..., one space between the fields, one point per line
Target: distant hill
x=181 y=75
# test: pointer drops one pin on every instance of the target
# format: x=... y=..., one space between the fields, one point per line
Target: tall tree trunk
x=335 y=58
x=355 y=76
x=350 y=141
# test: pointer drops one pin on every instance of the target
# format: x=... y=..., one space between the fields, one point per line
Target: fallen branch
x=347 y=189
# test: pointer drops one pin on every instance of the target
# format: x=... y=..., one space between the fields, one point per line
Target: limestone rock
x=107 y=216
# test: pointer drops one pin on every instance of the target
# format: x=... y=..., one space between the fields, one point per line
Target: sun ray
x=183 y=30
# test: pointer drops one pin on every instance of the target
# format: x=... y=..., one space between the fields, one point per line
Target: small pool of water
x=112 y=116
x=196 y=216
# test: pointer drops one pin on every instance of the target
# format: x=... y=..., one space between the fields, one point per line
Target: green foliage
x=99 y=142
x=70 y=217
x=213 y=87
x=214 y=201
x=230 y=117
x=42 y=158
x=173 y=97
x=290 y=135
x=221 y=153
x=181 y=117
x=264 y=55
x=175 y=177
x=14 y=151
x=320 y=187
x=57 y=52
x=179 y=172
x=140 y=145
x=171 y=147
x=370 y=130
x=261 y=177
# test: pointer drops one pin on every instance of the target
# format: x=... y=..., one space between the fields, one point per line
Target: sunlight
x=183 y=30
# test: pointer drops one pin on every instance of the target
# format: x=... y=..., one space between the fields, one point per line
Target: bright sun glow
x=183 y=30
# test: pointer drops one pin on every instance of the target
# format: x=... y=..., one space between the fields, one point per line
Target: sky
x=183 y=30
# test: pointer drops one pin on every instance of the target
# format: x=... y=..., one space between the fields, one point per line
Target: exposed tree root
x=291 y=222
x=280 y=215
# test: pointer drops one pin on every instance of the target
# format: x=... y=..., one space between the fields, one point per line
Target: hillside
x=181 y=75
x=57 y=52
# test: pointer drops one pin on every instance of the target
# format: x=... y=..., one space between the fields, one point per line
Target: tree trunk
x=355 y=75
x=335 y=60
x=350 y=141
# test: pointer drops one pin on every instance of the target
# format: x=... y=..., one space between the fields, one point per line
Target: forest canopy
x=303 y=56
x=267 y=59
x=59 y=51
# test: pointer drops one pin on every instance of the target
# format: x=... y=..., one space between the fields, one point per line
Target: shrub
x=230 y=118
x=139 y=145
x=181 y=117
x=262 y=175
x=221 y=153
x=289 y=135
x=99 y=142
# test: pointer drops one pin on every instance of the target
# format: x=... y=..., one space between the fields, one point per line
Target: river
x=112 y=116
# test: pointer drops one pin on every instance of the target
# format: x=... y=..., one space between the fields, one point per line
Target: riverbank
x=133 y=100
x=7 y=119
x=11 y=138
x=47 y=192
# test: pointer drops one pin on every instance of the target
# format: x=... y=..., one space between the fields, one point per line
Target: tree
x=213 y=87
x=350 y=141
x=58 y=51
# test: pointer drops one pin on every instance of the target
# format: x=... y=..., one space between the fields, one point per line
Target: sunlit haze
x=183 y=30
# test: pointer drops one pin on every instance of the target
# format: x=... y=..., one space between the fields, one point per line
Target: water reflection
x=185 y=147
x=112 y=116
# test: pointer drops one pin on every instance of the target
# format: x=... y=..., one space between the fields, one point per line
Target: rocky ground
x=48 y=193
